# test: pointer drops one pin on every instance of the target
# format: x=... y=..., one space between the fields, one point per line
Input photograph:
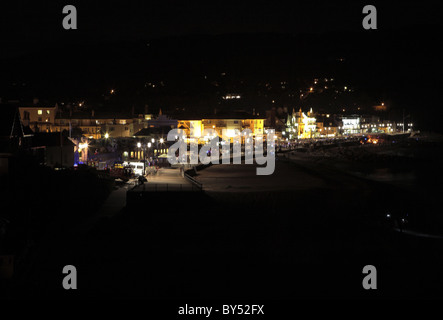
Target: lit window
x=48 y=112
x=40 y=111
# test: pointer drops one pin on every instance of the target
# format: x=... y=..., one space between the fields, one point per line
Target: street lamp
x=161 y=142
x=139 y=146
x=149 y=146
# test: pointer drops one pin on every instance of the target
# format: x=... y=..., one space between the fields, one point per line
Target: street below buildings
x=306 y=231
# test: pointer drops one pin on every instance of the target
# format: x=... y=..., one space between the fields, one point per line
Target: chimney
x=146 y=109
x=93 y=113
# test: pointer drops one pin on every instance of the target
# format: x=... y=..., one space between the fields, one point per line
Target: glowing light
x=230 y=133
x=106 y=135
x=139 y=144
x=82 y=146
x=195 y=128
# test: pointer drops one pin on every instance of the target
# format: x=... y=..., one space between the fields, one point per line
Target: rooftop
x=50 y=140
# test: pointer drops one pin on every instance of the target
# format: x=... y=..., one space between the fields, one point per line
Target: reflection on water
x=389 y=175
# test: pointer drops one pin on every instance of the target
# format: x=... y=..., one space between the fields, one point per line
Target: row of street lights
x=150 y=144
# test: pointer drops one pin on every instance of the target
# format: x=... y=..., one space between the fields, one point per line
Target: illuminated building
x=350 y=125
x=228 y=124
x=38 y=118
x=300 y=125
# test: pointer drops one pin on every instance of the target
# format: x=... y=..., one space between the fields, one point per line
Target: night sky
x=399 y=62
x=40 y=21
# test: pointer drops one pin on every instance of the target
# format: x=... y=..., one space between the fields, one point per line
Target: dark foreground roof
x=52 y=139
x=10 y=123
x=153 y=131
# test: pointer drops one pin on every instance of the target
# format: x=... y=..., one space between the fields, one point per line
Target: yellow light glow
x=82 y=146
x=196 y=130
x=230 y=133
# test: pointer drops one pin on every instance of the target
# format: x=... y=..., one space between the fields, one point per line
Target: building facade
x=300 y=125
x=224 y=126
